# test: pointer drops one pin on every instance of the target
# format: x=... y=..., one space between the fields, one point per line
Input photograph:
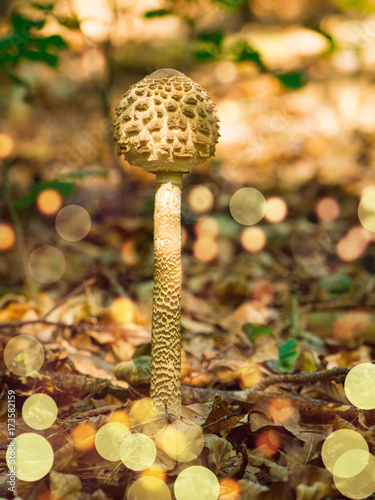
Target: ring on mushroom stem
x=166 y=124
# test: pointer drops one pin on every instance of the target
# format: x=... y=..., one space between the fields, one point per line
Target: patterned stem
x=165 y=385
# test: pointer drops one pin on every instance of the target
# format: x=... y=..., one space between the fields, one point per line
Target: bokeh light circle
x=310 y=244
x=360 y=386
x=205 y=249
x=195 y=483
x=23 y=354
x=149 y=488
x=137 y=452
x=7 y=237
x=338 y=443
x=253 y=239
x=39 y=411
x=360 y=486
x=49 y=201
x=197 y=202
x=109 y=438
x=366 y=211
x=276 y=210
x=6 y=145
x=33 y=456
x=73 y=223
x=83 y=436
x=247 y=206
x=351 y=463
x=182 y=440
x=327 y=209
x=46 y=264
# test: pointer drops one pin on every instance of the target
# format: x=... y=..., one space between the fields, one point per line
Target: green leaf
x=157 y=13
x=53 y=40
x=337 y=283
x=242 y=51
x=254 y=330
x=34 y=55
x=66 y=189
x=231 y=4
x=288 y=354
x=22 y=25
x=214 y=37
x=71 y=23
x=292 y=80
x=45 y=7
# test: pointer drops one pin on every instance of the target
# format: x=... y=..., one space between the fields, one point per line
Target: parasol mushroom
x=166 y=124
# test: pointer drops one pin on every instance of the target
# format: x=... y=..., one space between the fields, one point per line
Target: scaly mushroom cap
x=166 y=122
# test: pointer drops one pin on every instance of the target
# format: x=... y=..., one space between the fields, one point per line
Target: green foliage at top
x=230 y=4
x=24 y=42
x=157 y=13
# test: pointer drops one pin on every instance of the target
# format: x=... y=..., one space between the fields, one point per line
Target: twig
x=222 y=419
x=304 y=378
x=71 y=294
x=19 y=232
x=71 y=326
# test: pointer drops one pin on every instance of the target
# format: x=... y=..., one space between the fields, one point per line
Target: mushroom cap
x=166 y=122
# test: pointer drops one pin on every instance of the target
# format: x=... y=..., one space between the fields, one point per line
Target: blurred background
x=290 y=195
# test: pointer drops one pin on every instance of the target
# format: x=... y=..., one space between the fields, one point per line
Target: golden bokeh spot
x=39 y=411
x=247 y=206
x=29 y=456
x=46 y=264
x=351 y=463
x=109 y=438
x=251 y=373
x=366 y=211
x=120 y=416
x=124 y=311
x=338 y=443
x=360 y=486
x=23 y=354
x=200 y=199
x=149 y=488
x=137 y=452
x=205 y=249
x=155 y=471
x=360 y=386
x=7 y=237
x=49 y=201
x=282 y=410
x=276 y=210
x=229 y=489
x=195 y=483
x=142 y=411
x=268 y=442
x=129 y=253
x=6 y=145
x=182 y=440
x=327 y=209
x=83 y=436
x=73 y=223
x=353 y=244
x=253 y=239
x=207 y=227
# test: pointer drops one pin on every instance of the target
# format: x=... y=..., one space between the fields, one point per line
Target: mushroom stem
x=165 y=387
